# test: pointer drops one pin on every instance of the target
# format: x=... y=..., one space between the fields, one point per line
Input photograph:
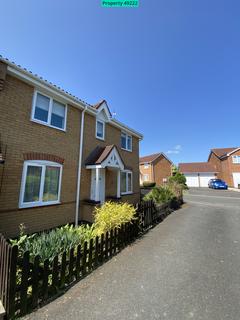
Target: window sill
x=37 y=205
x=102 y=139
x=126 y=193
x=126 y=150
x=47 y=125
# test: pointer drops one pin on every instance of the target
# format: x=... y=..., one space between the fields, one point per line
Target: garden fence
x=26 y=282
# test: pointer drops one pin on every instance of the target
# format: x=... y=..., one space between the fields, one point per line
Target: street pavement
x=187 y=267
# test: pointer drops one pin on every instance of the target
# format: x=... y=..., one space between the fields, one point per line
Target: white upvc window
x=48 y=111
x=146 y=165
x=41 y=183
x=126 y=141
x=236 y=159
x=146 y=177
x=126 y=182
x=100 y=129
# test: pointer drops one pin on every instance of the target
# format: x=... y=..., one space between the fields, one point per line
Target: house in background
x=198 y=173
x=223 y=163
x=227 y=163
x=59 y=156
x=155 y=168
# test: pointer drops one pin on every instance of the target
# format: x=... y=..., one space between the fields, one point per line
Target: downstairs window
x=41 y=184
x=126 y=182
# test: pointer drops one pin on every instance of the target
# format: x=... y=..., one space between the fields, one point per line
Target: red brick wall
x=162 y=170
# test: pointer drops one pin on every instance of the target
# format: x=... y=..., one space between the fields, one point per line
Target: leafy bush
x=149 y=184
x=178 y=178
x=111 y=215
x=160 y=195
x=50 y=244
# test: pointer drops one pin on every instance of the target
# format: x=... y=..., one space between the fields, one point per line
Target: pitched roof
x=98 y=105
x=99 y=154
x=196 y=167
x=150 y=158
x=222 y=152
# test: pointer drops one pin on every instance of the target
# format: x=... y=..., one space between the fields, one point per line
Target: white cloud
x=175 y=150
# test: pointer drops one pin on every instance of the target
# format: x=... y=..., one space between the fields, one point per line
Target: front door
x=101 y=185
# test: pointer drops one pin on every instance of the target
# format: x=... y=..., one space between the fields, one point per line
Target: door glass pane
x=51 y=184
x=123 y=182
x=129 y=182
x=58 y=115
x=32 y=185
x=42 y=108
x=99 y=129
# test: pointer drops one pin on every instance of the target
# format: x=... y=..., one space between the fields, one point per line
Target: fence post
x=12 y=282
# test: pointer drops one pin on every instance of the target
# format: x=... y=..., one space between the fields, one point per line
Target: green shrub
x=111 y=215
x=160 y=195
x=178 y=178
x=149 y=184
x=49 y=244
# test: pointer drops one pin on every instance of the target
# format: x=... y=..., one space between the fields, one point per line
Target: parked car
x=217 y=184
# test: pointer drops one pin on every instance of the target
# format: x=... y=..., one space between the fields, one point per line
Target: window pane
x=32 y=185
x=58 y=115
x=41 y=108
x=129 y=182
x=123 y=182
x=123 y=141
x=129 y=143
x=51 y=184
x=99 y=129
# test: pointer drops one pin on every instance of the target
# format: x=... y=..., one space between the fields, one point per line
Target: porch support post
x=118 y=183
x=97 y=185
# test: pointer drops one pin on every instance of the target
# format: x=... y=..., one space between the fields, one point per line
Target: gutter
x=79 y=167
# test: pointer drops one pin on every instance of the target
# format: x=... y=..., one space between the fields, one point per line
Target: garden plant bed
x=27 y=282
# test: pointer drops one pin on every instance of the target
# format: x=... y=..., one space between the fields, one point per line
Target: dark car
x=217 y=184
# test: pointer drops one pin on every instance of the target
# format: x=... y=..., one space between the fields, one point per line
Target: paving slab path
x=188 y=267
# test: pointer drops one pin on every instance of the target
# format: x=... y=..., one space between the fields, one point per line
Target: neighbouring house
x=223 y=163
x=198 y=173
x=59 y=156
x=155 y=168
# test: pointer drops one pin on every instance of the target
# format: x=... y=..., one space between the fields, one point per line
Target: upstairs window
x=100 y=129
x=126 y=141
x=41 y=182
x=146 y=177
x=236 y=159
x=48 y=111
x=146 y=165
x=126 y=182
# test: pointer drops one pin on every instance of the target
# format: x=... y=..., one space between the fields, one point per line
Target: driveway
x=188 y=267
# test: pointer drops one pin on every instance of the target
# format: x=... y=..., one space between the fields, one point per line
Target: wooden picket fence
x=27 y=282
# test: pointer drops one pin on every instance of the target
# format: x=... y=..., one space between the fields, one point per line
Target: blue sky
x=170 y=69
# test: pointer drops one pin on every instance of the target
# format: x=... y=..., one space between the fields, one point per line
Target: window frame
x=146 y=165
x=43 y=164
x=237 y=159
x=127 y=136
x=48 y=123
x=127 y=191
x=103 y=123
x=144 y=175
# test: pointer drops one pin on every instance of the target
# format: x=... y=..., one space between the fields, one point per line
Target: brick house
x=59 y=156
x=155 y=168
x=223 y=163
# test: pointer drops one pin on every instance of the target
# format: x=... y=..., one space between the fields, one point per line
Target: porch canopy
x=100 y=159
